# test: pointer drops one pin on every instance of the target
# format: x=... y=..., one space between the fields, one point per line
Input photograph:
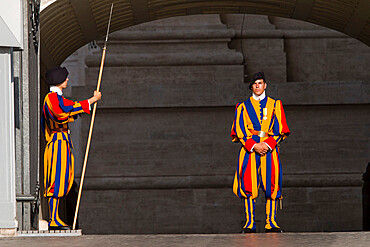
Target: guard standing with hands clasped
x=259 y=125
x=57 y=112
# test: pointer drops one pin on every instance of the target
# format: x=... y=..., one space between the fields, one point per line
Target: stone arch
x=67 y=25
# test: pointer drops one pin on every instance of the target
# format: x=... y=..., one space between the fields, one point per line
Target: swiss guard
x=58 y=158
x=259 y=125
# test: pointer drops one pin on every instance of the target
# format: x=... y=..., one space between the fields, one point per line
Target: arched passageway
x=67 y=25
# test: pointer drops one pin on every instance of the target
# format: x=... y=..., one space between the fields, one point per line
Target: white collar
x=259 y=98
x=56 y=90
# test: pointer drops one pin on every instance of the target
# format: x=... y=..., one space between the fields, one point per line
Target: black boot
x=274 y=229
x=248 y=230
x=60 y=228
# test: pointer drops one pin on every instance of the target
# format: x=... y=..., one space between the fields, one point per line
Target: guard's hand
x=97 y=95
x=261 y=148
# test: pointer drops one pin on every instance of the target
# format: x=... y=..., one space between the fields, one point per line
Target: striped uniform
x=253 y=170
x=58 y=158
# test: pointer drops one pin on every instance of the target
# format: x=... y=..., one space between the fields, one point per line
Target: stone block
x=266 y=46
x=168 y=46
x=189 y=22
x=251 y=22
x=292 y=24
x=165 y=75
x=342 y=64
x=346 y=45
x=174 y=90
x=325 y=123
x=218 y=211
x=336 y=195
x=302 y=67
x=106 y=152
x=294 y=195
x=273 y=67
x=304 y=46
x=193 y=58
x=165 y=139
x=326 y=59
x=336 y=209
x=198 y=142
x=168 y=211
x=323 y=93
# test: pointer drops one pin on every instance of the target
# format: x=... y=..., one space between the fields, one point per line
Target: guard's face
x=258 y=87
x=64 y=84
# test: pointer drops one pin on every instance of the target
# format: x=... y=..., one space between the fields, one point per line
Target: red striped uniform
x=58 y=158
x=266 y=115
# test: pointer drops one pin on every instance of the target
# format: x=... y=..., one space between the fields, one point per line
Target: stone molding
x=290 y=34
x=215 y=181
x=125 y=36
x=168 y=59
x=173 y=34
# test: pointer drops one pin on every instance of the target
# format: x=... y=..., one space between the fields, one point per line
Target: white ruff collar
x=259 y=98
x=56 y=90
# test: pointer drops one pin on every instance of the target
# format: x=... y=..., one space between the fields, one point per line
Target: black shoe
x=274 y=229
x=60 y=228
x=248 y=230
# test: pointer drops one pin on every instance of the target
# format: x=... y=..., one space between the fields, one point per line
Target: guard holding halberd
x=259 y=125
x=58 y=158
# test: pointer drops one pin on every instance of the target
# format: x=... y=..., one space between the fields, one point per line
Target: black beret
x=255 y=77
x=56 y=75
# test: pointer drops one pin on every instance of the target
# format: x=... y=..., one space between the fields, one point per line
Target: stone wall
x=161 y=159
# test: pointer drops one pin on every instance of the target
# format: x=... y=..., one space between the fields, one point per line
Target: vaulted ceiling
x=66 y=25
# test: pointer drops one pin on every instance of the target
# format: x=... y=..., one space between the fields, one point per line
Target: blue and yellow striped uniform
x=253 y=169
x=58 y=158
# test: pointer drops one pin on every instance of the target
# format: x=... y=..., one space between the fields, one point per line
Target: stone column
x=8 y=223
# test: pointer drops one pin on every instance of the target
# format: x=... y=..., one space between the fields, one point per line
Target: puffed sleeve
x=239 y=131
x=280 y=127
x=65 y=110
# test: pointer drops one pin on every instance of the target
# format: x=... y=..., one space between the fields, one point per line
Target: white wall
x=7 y=163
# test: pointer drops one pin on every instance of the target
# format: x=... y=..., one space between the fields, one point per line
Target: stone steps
x=36 y=233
